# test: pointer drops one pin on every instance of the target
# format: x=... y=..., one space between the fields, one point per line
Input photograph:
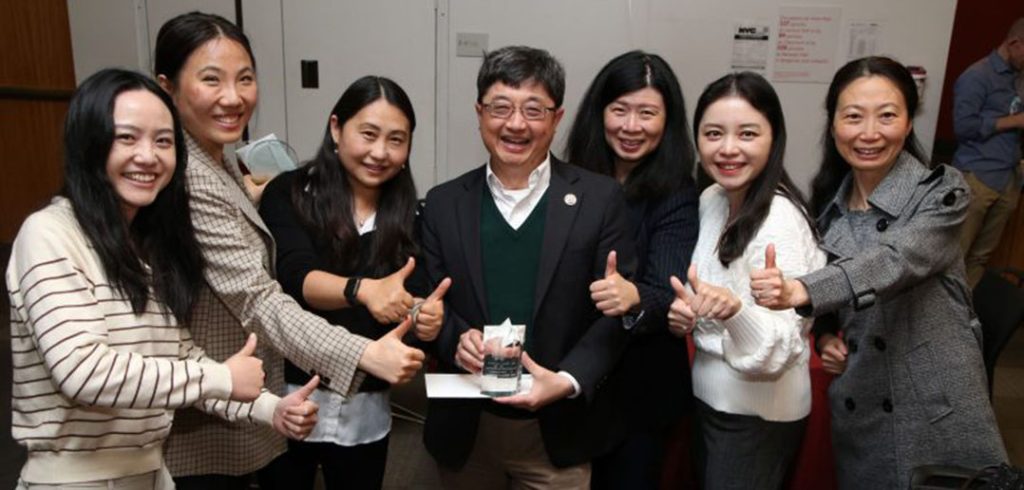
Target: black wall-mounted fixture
x=310 y=74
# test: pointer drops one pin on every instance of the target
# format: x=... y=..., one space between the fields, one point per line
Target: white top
x=515 y=205
x=361 y=418
x=754 y=363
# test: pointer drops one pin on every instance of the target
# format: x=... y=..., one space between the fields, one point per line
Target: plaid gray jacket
x=239 y=296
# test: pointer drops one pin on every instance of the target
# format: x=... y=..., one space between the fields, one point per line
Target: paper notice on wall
x=750 y=47
x=806 y=47
x=863 y=39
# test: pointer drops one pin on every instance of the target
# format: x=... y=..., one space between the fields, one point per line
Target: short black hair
x=515 y=65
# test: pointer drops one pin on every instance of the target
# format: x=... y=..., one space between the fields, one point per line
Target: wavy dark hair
x=665 y=169
x=182 y=35
x=161 y=234
x=834 y=167
x=774 y=179
x=322 y=194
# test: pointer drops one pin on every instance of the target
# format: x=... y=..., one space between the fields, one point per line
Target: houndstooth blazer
x=239 y=296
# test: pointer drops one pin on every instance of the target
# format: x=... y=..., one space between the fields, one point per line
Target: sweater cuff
x=216 y=382
x=744 y=330
x=263 y=409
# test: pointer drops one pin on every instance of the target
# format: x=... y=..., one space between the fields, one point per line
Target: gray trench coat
x=914 y=390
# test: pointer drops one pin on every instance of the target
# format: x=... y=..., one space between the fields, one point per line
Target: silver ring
x=415 y=311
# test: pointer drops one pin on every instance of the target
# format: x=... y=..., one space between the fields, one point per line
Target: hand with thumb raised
x=388 y=358
x=295 y=415
x=246 y=372
x=431 y=313
x=386 y=298
x=771 y=289
x=614 y=295
x=681 y=319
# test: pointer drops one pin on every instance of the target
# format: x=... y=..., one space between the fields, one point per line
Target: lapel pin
x=570 y=199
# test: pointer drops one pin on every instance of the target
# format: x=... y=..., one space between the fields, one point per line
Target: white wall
x=695 y=37
x=414 y=42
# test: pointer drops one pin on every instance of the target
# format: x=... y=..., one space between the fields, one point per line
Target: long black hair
x=834 y=167
x=322 y=194
x=774 y=179
x=161 y=234
x=666 y=168
x=182 y=35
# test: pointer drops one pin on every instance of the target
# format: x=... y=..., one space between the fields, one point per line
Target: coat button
x=849 y=404
x=882 y=224
x=887 y=405
x=851 y=345
x=880 y=343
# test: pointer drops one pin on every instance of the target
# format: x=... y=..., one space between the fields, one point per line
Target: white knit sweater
x=754 y=363
x=95 y=385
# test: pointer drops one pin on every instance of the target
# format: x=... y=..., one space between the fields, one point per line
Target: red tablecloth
x=815 y=467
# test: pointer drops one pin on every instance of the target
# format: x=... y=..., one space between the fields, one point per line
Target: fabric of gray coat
x=914 y=389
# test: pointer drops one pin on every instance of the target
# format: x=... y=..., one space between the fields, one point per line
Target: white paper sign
x=464 y=385
x=750 y=47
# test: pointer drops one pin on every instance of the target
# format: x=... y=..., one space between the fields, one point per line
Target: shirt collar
x=539 y=175
x=999 y=64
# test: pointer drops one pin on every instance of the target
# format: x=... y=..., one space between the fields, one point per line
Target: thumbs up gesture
x=431 y=313
x=614 y=295
x=391 y=360
x=709 y=300
x=681 y=319
x=771 y=290
x=386 y=298
x=246 y=372
x=295 y=415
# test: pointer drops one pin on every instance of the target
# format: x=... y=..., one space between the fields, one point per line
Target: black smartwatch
x=351 y=289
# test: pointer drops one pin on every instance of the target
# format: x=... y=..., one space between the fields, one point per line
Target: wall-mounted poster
x=863 y=39
x=806 y=46
x=750 y=47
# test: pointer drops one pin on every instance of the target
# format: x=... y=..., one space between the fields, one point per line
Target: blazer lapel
x=232 y=178
x=468 y=217
x=558 y=223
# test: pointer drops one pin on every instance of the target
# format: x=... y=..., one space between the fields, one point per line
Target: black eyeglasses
x=530 y=111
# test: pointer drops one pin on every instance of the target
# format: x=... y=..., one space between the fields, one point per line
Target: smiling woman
x=750 y=374
x=632 y=126
x=344 y=226
x=99 y=281
x=142 y=156
x=206 y=64
x=891 y=225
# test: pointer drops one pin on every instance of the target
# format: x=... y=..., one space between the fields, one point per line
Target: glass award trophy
x=503 y=367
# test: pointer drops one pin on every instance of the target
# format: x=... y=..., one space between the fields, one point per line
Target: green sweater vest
x=511 y=259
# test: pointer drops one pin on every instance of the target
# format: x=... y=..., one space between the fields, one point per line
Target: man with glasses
x=522 y=237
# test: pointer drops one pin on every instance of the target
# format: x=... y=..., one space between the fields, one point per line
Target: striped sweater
x=95 y=385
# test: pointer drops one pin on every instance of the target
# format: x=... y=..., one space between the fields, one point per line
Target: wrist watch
x=352 y=289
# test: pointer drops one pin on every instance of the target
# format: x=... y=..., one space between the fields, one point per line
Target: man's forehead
x=529 y=89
